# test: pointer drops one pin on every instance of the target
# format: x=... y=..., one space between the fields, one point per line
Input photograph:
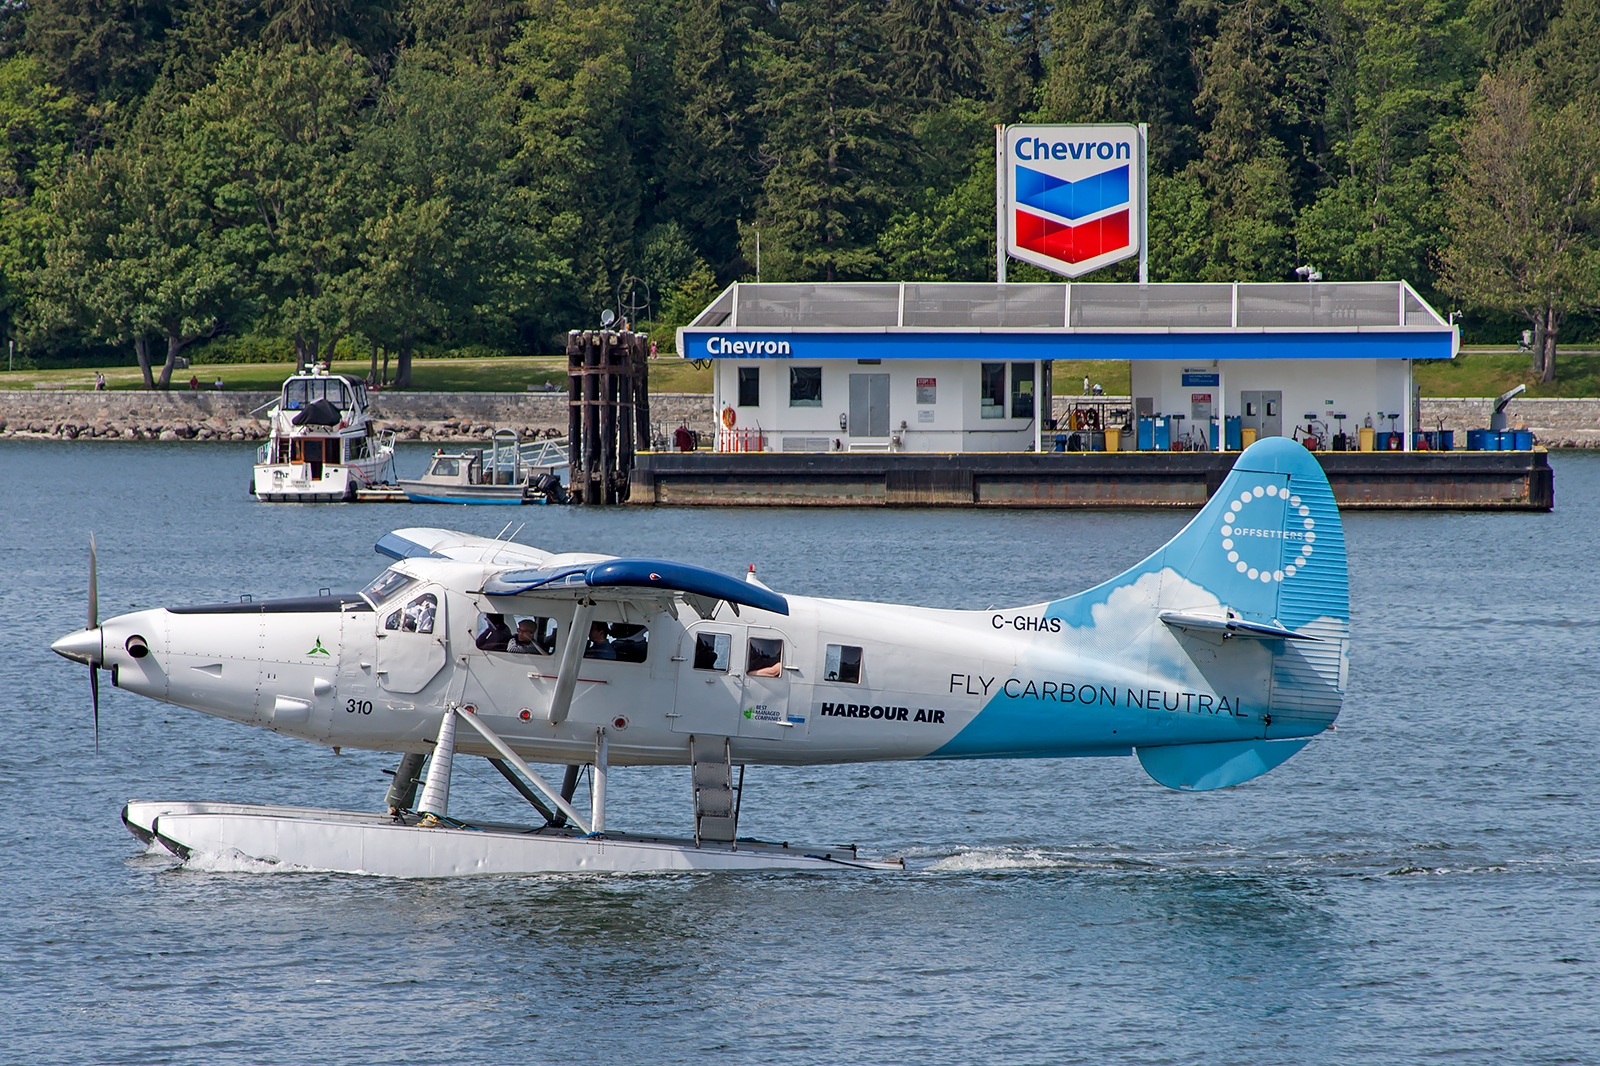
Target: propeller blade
x=94 y=689
x=94 y=592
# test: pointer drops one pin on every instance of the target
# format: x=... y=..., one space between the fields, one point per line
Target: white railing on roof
x=1069 y=306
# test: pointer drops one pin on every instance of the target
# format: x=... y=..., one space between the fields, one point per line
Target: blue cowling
x=643 y=574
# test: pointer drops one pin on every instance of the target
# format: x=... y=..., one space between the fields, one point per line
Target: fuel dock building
x=914 y=392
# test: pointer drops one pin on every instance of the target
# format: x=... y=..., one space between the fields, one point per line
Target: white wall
x=1356 y=387
x=953 y=423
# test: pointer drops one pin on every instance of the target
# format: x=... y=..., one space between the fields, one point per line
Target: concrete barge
x=1420 y=481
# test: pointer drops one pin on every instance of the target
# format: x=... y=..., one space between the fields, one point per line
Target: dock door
x=1261 y=411
x=869 y=405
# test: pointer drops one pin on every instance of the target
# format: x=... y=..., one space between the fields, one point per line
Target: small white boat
x=323 y=445
x=513 y=472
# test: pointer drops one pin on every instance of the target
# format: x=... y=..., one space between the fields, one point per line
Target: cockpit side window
x=418 y=615
x=387 y=585
x=294 y=394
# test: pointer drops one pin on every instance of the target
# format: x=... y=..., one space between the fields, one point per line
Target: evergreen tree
x=835 y=141
x=711 y=173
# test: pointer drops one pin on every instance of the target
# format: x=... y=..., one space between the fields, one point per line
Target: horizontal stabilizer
x=1233 y=627
x=1202 y=767
x=651 y=574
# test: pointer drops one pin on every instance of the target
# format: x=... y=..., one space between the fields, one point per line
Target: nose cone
x=81 y=646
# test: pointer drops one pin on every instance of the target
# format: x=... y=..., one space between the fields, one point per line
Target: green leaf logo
x=319 y=649
x=749 y=712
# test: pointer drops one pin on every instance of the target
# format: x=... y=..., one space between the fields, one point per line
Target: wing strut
x=571 y=661
x=524 y=769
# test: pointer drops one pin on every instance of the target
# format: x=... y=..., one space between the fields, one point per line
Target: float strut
x=551 y=818
x=597 y=790
x=523 y=768
x=436 y=791
x=403 y=789
x=569 y=782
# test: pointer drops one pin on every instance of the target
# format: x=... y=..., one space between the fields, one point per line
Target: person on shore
x=99 y=382
x=218 y=385
x=194 y=383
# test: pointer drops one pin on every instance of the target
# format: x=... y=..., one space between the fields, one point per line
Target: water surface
x=1422 y=885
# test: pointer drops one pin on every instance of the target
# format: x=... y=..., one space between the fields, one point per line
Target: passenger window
x=418 y=614
x=711 y=651
x=622 y=641
x=387 y=584
x=519 y=634
x=765 y=658
x=843 y=664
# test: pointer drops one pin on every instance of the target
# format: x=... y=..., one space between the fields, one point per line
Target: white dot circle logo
x=1236 y=535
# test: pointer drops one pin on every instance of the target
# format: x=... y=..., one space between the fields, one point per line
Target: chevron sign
x=1073 y=196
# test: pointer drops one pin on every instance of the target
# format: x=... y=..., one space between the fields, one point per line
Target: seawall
x=462 y=416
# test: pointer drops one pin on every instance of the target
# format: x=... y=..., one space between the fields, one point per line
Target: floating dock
x=1470 y=481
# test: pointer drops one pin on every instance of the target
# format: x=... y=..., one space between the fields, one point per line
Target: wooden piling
x=606 y=379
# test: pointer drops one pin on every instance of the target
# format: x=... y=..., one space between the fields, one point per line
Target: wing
x=634 y=579
x=460 y=547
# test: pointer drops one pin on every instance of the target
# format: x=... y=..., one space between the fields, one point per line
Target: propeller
x=94 y=623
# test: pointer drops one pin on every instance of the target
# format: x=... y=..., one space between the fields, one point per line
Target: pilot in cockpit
x=496 y=634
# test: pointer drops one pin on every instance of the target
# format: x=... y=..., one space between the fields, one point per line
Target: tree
x=445 y=255
x=835 y=141
x=710 y=176
x=139 y=254
x=272 y=139
x=567 y=81
x=1524 y=211
x=1124 y=61
x=36 y=129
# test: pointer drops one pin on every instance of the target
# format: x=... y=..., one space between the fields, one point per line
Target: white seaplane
x=1213 y=661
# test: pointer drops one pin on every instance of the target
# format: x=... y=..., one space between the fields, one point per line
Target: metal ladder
x=716 y=797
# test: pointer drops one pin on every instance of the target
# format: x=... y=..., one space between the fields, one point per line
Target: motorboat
x=324 y=445
x=511 y=472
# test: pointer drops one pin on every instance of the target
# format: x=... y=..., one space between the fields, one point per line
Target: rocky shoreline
x=473 y=417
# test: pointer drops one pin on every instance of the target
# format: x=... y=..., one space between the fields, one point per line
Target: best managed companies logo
x=1073 y=195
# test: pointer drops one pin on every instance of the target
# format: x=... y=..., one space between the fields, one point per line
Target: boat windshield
x=298 y=392
x=446 y=467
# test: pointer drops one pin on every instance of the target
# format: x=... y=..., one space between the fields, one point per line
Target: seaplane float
x=1212 y=661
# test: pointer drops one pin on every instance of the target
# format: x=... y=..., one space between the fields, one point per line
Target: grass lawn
x=1476 y=372
x=504 y=374
x=1492 y=371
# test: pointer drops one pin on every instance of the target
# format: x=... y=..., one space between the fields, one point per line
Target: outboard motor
x=550 y=487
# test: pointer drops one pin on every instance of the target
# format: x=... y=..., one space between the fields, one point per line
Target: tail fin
x=1253 y=598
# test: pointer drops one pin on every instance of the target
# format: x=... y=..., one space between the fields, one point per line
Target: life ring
x=728 y=417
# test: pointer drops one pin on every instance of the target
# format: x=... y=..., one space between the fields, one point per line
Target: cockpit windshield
x=299 y=392
x=387 y=585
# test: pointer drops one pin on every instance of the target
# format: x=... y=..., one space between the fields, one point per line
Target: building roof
x=1086 y=320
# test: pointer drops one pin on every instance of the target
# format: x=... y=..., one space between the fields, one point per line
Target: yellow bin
x=1247 y=437
x=1114 y=439
x=1365 y=433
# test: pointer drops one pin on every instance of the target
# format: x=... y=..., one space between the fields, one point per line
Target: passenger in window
x=765 y=658
x=495 y=634
x=523 y=640
x=600 y=646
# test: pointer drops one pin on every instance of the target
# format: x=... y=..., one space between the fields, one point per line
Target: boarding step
x=716 y=799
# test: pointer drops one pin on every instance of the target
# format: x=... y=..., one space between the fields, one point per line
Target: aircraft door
x=710 y=681
x=765 y=710
x=352 y=693
x=411 y=642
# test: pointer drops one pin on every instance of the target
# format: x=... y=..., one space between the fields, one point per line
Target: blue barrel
x=1522 y=440
x=1447 y=440
x=1475 y=439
